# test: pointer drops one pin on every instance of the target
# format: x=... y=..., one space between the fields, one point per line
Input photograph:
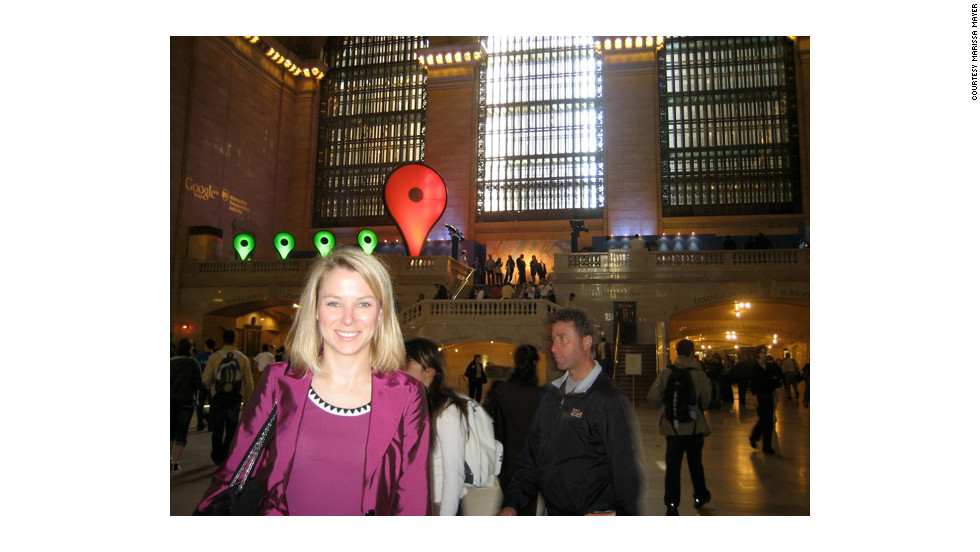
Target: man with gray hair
x=580 y=448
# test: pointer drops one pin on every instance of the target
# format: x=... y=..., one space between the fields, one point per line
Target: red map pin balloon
x=415 y=195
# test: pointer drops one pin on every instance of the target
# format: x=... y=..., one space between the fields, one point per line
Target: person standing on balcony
x=476 y=376
x=498 y=271
x=521 y=274
x=480 y=271
x=637 y=243
x=510 y=270
x=441 y=292
x=534 y=269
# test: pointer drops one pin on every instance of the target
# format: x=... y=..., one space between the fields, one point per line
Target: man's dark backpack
x=229 y=378
x=680 y=398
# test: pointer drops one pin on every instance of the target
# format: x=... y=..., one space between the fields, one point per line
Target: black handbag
x=244 y=495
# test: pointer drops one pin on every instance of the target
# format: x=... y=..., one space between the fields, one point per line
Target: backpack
x=680 y=399
x=482 y=454
x=229 y=378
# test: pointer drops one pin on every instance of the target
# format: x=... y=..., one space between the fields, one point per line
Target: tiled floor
x=743 y=481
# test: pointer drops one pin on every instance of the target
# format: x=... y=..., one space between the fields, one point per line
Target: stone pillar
x=802 y=57
x=631 y=140
x=663 y=346
x=451 y=103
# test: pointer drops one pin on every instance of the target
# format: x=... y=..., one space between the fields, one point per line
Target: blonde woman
x=352 y=432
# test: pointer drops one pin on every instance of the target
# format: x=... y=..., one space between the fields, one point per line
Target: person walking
x=764 y=382
x=580 y=452
x=204 y=394
x=449 y=419
x=185 y=382
x=475 y=376
x=511 y=403
x=228 y=375
x=791 y=376
x=683 y=424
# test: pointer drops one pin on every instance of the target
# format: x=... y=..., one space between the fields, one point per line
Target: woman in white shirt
x=448 y=413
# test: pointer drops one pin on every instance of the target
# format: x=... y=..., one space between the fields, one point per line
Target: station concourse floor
x=743 y=481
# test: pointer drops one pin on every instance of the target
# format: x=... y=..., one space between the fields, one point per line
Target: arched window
x=372 y=119
x=729 y=141
x=539 y=145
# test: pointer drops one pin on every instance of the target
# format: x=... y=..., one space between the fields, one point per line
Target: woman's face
x=347 y=312
x=419 y=372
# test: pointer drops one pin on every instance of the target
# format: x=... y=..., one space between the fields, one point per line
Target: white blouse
x=447 y=461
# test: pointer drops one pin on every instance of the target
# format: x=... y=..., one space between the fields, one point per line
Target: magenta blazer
x=396 y=476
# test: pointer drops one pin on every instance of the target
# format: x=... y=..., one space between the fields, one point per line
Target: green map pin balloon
x=244 y=244
x=284 y=243
x=324 y=242
x=368 y=240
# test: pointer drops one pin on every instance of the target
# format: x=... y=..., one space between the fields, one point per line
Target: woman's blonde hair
x=304 y=342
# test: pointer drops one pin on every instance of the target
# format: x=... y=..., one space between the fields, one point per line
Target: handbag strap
x=246 y=466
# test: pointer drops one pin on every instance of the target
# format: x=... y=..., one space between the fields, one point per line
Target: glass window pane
x=729 y=138
x=538 y=117
x=372 y=119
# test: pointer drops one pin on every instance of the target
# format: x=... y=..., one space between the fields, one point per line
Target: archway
x=725 y=327
x=256 y=323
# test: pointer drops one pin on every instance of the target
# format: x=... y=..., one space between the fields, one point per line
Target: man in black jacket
x=521 y=265
x=764 y=382
x=580 y=451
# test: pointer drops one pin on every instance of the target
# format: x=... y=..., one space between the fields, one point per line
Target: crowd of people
x=365 y=423
x=489 y=271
